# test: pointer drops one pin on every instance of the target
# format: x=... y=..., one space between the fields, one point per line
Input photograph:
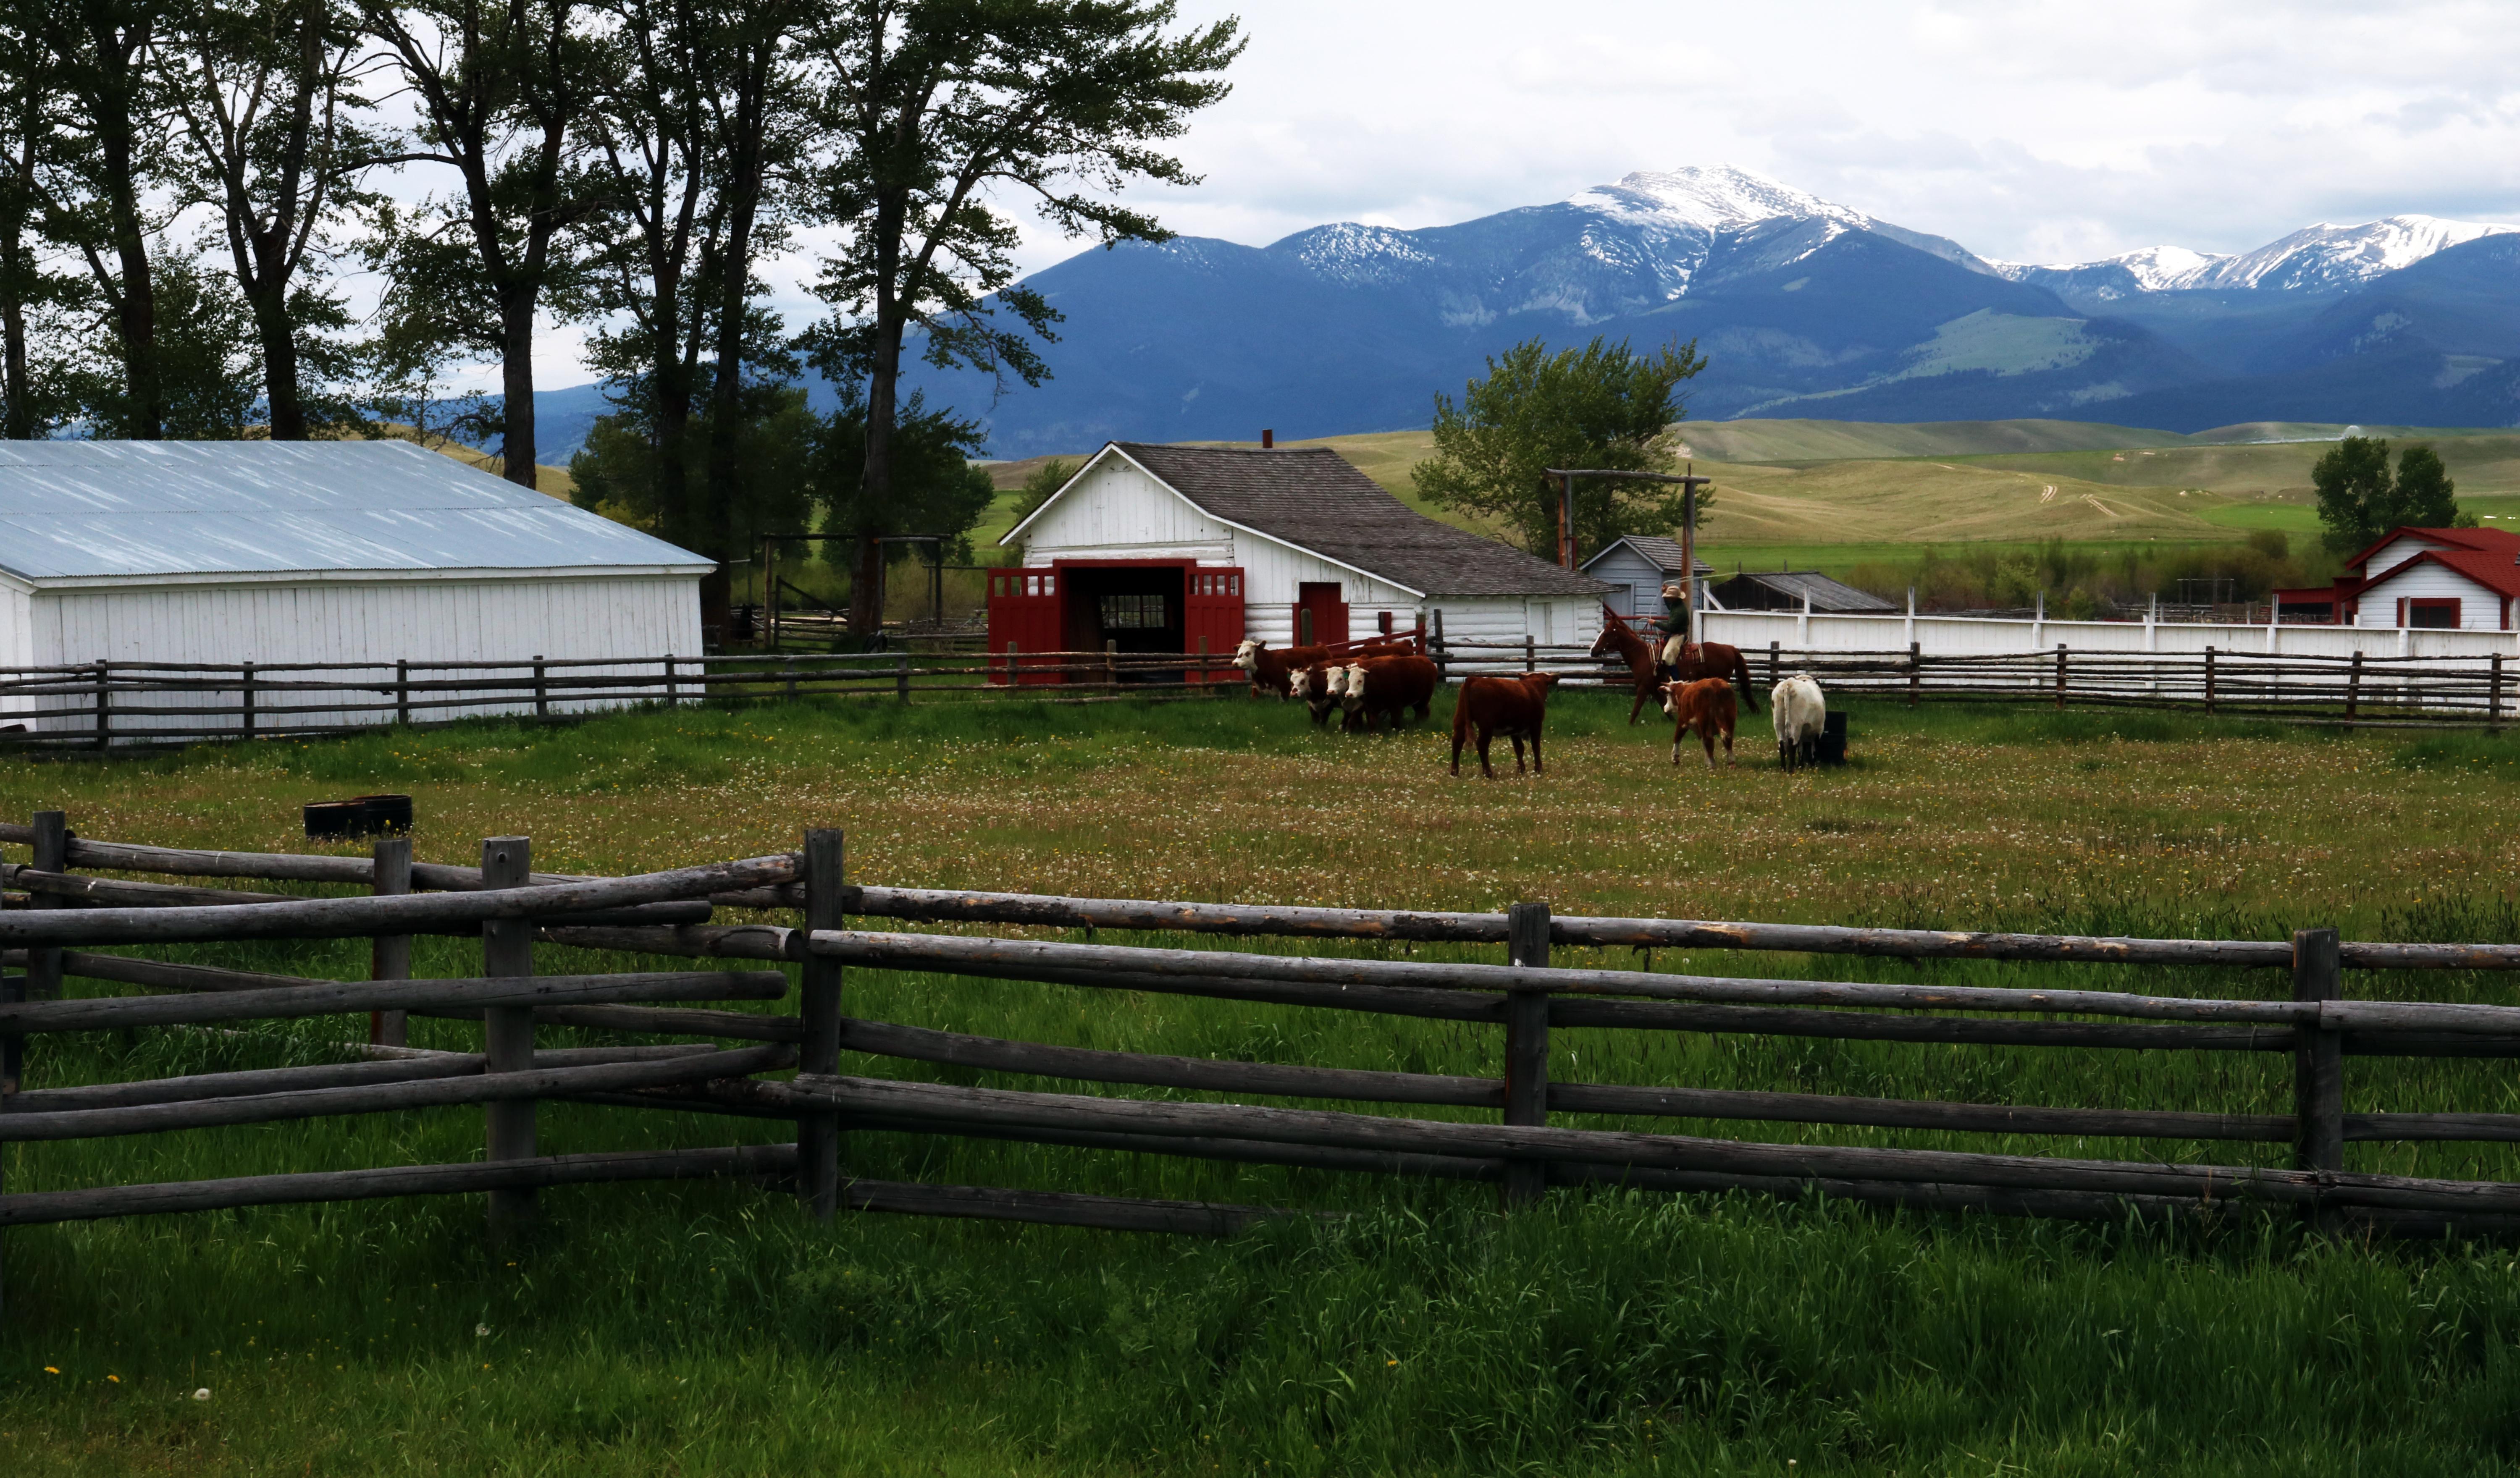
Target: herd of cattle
x=1388 y=680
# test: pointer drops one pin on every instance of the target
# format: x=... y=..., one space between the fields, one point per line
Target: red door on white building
x=1212 y=613
x=1319 y=599
x=1023 y=617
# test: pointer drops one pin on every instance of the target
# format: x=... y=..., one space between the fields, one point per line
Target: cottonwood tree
x=502 y=88
x=276 y=126
x=698 y=114
x=1598 y=407
x=2359 y=498
x=35 y=395
x=91 y=176
x=940 y=108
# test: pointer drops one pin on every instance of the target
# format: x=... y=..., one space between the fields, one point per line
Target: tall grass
x=707 y=1328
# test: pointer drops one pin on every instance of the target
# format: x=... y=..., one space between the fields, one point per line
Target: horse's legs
x=1644 y=687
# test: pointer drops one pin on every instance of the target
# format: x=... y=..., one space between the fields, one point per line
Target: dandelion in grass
x=202 y=1394
x=481 y=1331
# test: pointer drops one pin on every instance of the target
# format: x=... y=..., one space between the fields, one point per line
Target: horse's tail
x=1741 y=677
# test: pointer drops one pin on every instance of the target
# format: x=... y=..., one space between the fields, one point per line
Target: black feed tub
x=359 y=816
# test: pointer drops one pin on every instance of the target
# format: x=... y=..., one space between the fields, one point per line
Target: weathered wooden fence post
x=1530 y=652
x=2494 y=698
x=673 y=687
x=2353 y=689
x=1443 y=659
x=2209 y=680
x=1015 y=656
x=1526 y=1048
x=103 y=700
x=2318 y=1061
x=901 y=676
x=818 y=1008
x=1915 y=671
x=390 y=955
x=508 y=949
x=2061 y=676
x=1204 y=683
x=402 y=690
x=542 y=690
x=246 y=685
x=52 y=853
x=1111 y=664
x=1303 y=626
x=1775 y=656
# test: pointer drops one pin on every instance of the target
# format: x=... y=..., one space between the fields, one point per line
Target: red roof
x=2497 y=571
x=2483 y=540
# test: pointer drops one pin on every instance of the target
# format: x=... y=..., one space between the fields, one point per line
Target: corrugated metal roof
x=1795 y=586
x=74 y=510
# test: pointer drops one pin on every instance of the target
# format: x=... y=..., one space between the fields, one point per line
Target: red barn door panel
x=1024 y=617
x=1212 y=608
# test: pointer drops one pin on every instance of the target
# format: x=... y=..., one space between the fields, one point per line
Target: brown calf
x=1313 y=685
x=1514 y=707
x=1385 y=688
x=1707 y=704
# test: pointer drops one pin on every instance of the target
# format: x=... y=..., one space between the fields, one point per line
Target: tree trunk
x=279 y=387
x=18 y=416
x=671 y=394
x=136 y=308
x=883 y=380
x=516 y=384
x=744 y=171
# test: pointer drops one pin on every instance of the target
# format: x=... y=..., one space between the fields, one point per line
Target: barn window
x=1133 y=612
x=2433 y=611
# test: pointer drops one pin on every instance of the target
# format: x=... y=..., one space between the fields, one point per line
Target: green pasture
x=705 y=1328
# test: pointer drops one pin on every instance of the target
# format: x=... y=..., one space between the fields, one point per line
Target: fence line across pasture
x=518 y=914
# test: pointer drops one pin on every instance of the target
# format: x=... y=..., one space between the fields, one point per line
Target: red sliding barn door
x=1212 y=609
x=1327 y=626
x=1023 y=617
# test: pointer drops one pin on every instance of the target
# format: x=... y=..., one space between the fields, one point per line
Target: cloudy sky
x=2029 y=130
x=2026 y=130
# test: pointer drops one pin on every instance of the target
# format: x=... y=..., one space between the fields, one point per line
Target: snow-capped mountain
x=1803 y=307
x=2320 y=258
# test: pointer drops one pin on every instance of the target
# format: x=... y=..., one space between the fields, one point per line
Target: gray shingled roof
x=72 y=509
x=1661 y=552
x=1792 y=586
x=1317 y=500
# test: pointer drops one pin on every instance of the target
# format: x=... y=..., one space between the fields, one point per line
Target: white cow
x=1800 y=713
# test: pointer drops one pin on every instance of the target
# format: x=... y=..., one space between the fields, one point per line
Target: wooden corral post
x=542 y=692
x=1443 y=665
x=2061 y=676
x=2319 y=1061
x=103 y=700
x=390 y=955
x=1303 y=626
x=901 y=674
x=1111 y=664
x=508 y=949
x=246 y=688
x=402 y=690
x=1775 y=656
x=1915 y=671
x=1526 y=1048
x=790 y=670
x=817 y=1006
x=2354 y=688
x=52 y=853
x=1202 y=663
x=2209 y=680
x=1015 y=655
x=1530 y=652
x=673 y=686
x=2494 y=698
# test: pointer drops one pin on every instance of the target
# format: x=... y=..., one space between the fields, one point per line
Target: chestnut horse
x=1699 y=659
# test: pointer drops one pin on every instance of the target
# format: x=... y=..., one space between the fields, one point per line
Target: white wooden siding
x=2395 y=553
x=2479 y=608
x=1623 y=565
x=568 y=617
x=1116 y=511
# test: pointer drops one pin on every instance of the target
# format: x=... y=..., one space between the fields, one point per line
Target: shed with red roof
x=2464 y=579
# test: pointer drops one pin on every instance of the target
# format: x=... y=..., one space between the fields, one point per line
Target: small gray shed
x=1636 y=568
x=1791 y=589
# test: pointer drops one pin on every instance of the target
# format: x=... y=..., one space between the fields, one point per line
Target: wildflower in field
x=52 y=1370
x=203 y=1393
x=482 y=1330
x=116 y=1379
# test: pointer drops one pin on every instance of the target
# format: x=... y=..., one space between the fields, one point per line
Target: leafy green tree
x=933 y=489
x=617 y=472
x=1597 y=407
x=938 y=109
x=276 y=126
x=2360 y=499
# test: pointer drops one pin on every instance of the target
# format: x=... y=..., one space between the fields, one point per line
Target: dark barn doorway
x=1135 y=608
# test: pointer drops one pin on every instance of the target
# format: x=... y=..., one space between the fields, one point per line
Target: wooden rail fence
x=60 y=916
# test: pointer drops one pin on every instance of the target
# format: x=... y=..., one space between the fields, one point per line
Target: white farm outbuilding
x=330 y=551
x=1157 y=549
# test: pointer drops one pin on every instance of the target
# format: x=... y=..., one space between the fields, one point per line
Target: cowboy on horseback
x=1674 y=629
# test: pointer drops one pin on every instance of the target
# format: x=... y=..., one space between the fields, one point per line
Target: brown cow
x=1273 y=671
x=1514 y=707
x=1384 y=687
x=1707 y=704
x=1312 y=685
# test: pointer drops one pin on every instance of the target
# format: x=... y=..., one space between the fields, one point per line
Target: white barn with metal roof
x=268 y=552
x=1158 y=548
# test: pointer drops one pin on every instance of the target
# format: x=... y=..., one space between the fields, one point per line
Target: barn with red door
x=1158 y=548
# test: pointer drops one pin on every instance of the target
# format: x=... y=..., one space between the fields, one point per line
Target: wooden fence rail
x=1530 y=994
